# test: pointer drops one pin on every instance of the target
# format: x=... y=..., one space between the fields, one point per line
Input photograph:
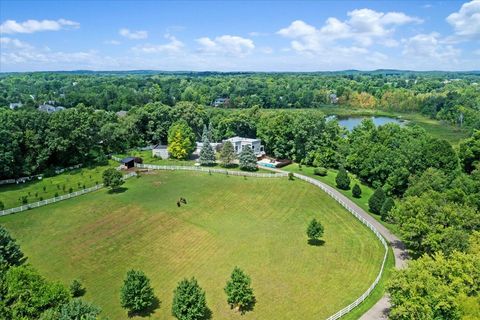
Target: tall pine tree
x=227 y=154
x=248 y=160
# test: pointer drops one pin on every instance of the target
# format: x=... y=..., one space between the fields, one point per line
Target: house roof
x=160 y=146
x=240 y=139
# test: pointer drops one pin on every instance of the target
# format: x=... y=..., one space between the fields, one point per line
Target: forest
x=435 y=187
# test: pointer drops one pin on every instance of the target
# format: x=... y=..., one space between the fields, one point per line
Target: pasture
x=256 y=224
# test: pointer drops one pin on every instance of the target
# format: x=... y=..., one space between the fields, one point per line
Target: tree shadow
x=246 y=308
x=316 y=242
x=147 y=312
x=117 y=190
x=208 y=314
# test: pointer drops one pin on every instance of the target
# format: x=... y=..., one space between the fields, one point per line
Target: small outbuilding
x=129 y=162
x=160 y=151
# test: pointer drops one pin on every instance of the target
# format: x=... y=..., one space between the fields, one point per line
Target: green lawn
x=362 y=202
x=257 y=224
x=36 y=190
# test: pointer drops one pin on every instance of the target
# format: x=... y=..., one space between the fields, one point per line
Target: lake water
x=352 y=122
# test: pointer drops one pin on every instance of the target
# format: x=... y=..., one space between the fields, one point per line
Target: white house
x=199 y=145
x=240 y=143
x=160 y=151
x=15 y=105
x=49 y=108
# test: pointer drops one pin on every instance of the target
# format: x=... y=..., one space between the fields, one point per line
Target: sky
x=239 y=35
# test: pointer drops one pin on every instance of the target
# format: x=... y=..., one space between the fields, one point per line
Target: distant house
x=129 y=162
x=240 y=143
x=333 y=98
x=160 y=151
x=15 y=105
x=49 y=108
x=220 y=102
x=121 y=113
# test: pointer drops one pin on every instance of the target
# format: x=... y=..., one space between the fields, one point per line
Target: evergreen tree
x=136 y=294
x=10 y=253
x=239 y=292
x=248 y=160
x=314 y=230
x=376 y=201
x=189 y=301
x=227 y=154
x=181 y=140
x=387 y=205
x=78 y=309
x=207 y=154
x=342 y=179
x=356 y=191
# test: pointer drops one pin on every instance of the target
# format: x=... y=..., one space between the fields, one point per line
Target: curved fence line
x=59 y=198
x=360 y=299
x=223 y=171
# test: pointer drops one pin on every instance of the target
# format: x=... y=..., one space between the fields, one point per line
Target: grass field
x=329 y=179
x=257 y=224
x=36 y=190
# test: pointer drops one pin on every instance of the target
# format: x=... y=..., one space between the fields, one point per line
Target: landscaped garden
x=256 y=224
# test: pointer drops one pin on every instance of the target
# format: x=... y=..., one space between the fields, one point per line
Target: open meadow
x=256 y=224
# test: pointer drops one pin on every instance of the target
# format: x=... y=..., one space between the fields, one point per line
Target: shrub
x=314 y=230
x=356 y=191
x=2 y=206
x=290 y=176
x=342 y=179
x=387 y=206
x=10 y=252
x=112 y=178
x=76 y=288
x=376 y=201
x=70 y=190
x=56 y=194
x=78 y=309
x=320 y=171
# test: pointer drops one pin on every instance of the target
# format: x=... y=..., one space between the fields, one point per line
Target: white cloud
x=364 y=27
x=429 y=46
x=466 y=22
x=112 y=42
x=10 y=43
x=31 y=26
x=174 y=46
x=226 y=44
x=133 y=35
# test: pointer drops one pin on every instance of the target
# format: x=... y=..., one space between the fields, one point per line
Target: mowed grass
x=257 y=224
x=36 y=190
x=329 y=179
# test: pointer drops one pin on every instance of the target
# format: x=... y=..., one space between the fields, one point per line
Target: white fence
x=57 y=199
x=223 y=171
x=360 y=299
x=25 y=179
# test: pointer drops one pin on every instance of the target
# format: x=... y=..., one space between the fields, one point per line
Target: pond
x=352 y=122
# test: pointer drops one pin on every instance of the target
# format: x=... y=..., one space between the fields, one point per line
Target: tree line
x=453 y=97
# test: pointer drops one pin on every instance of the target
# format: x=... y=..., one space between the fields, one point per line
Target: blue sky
x=239 y=35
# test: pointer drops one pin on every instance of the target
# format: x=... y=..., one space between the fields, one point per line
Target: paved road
x=380 y=310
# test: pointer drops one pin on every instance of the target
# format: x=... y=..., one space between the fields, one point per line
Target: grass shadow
x=316 y=242
x=147 y=312
x=117 y=190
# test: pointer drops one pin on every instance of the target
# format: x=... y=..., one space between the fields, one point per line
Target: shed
x=129 y=162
